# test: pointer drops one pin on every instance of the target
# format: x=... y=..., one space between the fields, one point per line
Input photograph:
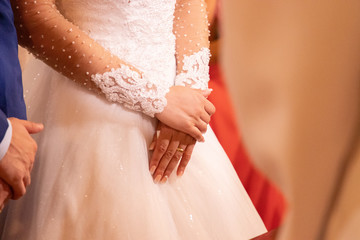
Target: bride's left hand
x=170 y=146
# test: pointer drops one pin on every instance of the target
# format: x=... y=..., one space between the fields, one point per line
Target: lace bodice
x=127 y=49
x=138 y=32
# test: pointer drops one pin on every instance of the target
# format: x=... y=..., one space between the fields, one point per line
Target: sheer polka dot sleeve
x=47 y=34
x=192 y=44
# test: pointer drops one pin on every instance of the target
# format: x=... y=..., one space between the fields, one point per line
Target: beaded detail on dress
x=144 y=29
x=138 y=32
x=135 y=38
x=148 y=37
x=195 y=70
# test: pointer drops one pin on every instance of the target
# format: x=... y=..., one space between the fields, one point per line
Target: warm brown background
x=293 y=69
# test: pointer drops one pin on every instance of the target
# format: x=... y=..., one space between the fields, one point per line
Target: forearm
x=44 y=31
x=59 y=43
x=192 y=43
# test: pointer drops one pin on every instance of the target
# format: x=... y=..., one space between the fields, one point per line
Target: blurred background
x=292 y=69
x=285 y=76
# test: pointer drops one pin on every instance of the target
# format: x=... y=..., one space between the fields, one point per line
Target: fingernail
x=152 y=146
x=40 y=126
x=164 y=179
x=152 y=170
x=181 y=173
x=157 y=179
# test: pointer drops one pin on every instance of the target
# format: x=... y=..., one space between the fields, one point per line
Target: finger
x=5 y=192
x=185 y=159
x=196 y=133
x=164 y=162
x=202 y=126
x=209 y=107
x=32 y=127
x=19 y=189
x=27 y=180
x=205 y=117
x=174 y=161
x=153 y=143
x=160 y=149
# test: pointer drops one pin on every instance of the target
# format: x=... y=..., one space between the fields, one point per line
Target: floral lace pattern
x=128 y=55
x=123 y=85
x=144 y=29
x=195 y=70
x=132 y=55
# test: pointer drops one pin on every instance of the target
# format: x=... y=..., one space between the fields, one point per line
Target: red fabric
x=267 y=199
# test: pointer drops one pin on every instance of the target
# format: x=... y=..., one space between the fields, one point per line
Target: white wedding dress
x=91 y=177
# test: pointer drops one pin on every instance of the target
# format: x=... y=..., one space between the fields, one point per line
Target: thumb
x=5 y=192
x=153 y=143
x=206 y=92
x=32 y=127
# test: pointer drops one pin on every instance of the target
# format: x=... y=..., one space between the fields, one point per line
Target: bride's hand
x=187 y=110
x=170 y=146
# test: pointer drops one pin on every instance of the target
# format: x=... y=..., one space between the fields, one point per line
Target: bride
x=137 y=66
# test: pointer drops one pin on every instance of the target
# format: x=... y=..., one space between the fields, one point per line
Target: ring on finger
x=180 y=149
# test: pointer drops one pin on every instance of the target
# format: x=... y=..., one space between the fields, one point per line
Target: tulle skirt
x=91 y=177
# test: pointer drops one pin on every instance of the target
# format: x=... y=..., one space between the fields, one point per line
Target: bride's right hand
x=187 y=110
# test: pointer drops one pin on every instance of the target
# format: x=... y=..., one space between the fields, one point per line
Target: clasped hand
x=182 y=122
x=187 y=110
x=170 y=147
x=16 y=165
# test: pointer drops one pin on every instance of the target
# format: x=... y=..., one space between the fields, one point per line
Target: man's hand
x=18 y=161
x=5 y=194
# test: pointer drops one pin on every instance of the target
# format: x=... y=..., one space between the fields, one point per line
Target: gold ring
x=180 y=149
